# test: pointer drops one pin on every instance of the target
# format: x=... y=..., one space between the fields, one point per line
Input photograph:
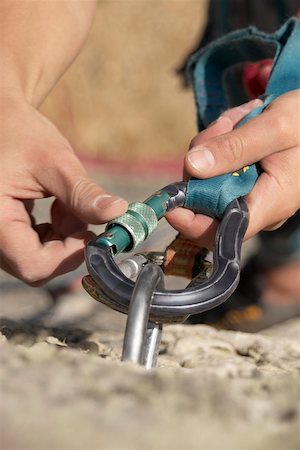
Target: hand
x=273 y=138
x=38 y=41
x=36 y=161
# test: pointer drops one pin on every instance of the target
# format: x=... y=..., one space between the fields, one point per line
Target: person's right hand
x=36 y=162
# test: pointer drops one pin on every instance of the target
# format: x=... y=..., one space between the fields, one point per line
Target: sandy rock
x=212 y=389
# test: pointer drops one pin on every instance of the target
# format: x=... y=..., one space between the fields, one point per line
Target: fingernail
x=247 y=107
x=107 y=200
x=201 y=158
x=220 y=119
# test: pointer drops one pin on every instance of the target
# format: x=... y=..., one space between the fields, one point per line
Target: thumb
x=253 y=141
x=69 y=182
x=91 y=203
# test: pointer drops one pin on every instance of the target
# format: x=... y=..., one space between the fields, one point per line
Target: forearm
x=38 y=42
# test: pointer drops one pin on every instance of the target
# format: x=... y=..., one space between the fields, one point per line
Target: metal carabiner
x=109 y=284
x=142 y=337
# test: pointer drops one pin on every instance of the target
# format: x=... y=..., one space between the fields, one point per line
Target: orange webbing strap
x=181 y=257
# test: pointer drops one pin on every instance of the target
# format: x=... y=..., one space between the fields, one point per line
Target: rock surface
x=63 y=387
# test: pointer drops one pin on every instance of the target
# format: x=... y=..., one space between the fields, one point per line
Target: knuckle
x=32 y=275
x=36 y=283
x=31 y=278
x=282 y=124
x=80 y=190
x=30 y=272
x=233 y=148
x=194 y=141
x=289 y=210
x=289 y=201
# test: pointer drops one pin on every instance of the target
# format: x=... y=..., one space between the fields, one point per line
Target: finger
x=197 y=227
x=275 y=226
x=239 y=112
x=222 y=125
x=39 y=263
x=69 y=182
x=30 y=259
x=258 y=138
x=264 y=209
x=64 y=222
x=29 y=205
x=225 y=122
x=275 y=196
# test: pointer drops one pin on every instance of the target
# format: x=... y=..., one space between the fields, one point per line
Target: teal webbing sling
x=211 y=71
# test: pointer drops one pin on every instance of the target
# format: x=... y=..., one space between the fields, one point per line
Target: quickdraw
x=146 y=302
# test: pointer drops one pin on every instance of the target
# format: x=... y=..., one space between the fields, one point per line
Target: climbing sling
x=211 y=71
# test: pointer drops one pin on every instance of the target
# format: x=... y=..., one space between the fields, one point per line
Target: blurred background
x=121 y=104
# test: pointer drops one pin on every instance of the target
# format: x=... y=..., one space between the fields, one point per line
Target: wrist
x=15 y=88
x=38 y=42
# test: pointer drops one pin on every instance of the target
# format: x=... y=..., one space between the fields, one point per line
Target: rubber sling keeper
x=213 y=73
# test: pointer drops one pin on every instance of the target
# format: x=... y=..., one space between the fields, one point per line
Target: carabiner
x=142 y=337
x=109 y=285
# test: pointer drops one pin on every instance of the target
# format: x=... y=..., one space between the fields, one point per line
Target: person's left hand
x=273 y=139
